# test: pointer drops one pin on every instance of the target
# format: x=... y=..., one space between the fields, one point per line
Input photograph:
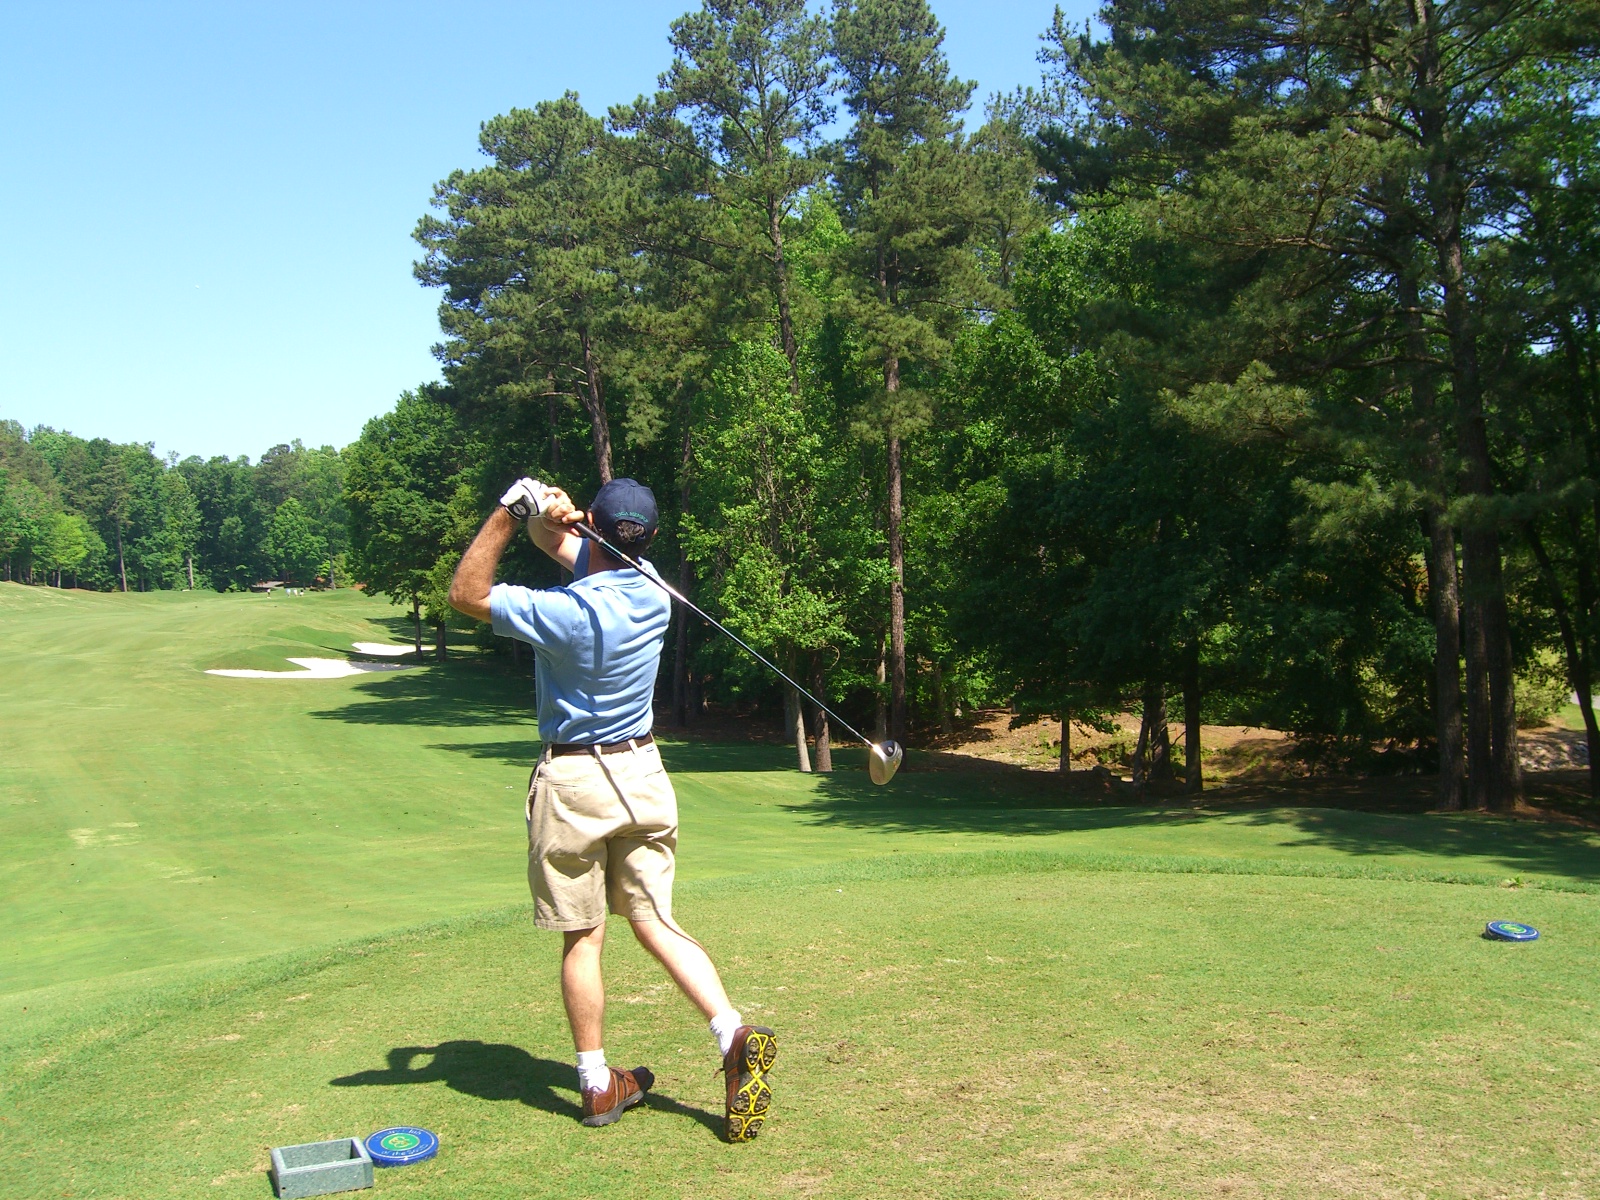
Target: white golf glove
x=525 y=498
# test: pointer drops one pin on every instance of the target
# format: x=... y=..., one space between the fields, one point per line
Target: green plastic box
x=317 y=1168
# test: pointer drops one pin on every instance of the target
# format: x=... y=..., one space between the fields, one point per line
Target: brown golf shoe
x=754 y=1050
x=602 y=1106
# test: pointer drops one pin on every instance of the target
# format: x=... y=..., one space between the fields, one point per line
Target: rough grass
x=182 y=851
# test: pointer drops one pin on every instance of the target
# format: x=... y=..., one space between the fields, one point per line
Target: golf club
x=883 y=758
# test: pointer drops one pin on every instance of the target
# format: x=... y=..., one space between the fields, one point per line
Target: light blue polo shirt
x=597 y=643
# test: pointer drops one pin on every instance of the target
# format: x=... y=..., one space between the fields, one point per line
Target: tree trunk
x=824 y=734
x=680 y=641
x=880 y=717
x=1477 y=702
x=1065 y=765
x=1584 y=635
x=1444 y=591
x=940 y=699
x=1507 y=761
x=1193 y=778
x=680 y=654
x=553 y=409
x=1480 y=545
x=1141 y=750
x=897 y=582
x=416 y=624
x=1578 y=675
x=122 y=566
x=188 y=560
x=1445 y=594
x=780 y=270
x=1160 y=740
x=441 y=640
x=1489 y=639
x=594 y=403
x=794 y=717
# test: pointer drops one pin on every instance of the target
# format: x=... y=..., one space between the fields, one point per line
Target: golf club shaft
x=594 y=535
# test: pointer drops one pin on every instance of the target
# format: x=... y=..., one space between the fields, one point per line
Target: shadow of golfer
x=495 y=1071
x=487 y=1070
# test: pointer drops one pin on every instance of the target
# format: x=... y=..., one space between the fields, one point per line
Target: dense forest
x=96 y=514
x=1245 y=369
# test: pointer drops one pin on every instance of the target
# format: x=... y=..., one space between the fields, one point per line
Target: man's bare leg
x=583 y=990
x=748 y=1051
x=687 y=962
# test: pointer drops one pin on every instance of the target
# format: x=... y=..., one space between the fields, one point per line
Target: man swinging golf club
x=602 y=816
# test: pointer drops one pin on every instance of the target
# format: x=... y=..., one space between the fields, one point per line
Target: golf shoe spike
x=883 y=760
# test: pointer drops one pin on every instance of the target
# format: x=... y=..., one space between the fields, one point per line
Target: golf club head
x=883 y=760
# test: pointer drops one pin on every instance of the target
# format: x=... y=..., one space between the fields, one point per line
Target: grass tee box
x=317 y=1168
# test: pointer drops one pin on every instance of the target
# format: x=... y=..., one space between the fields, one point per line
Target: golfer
x=602 y=816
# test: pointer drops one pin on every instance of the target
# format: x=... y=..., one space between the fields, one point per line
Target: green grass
x=977 y=1035
x=184 y=852
x=1571 y=716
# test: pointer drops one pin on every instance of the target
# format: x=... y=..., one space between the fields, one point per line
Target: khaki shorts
x=601 y=829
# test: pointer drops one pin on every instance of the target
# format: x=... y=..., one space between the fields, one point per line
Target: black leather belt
x=559 y=748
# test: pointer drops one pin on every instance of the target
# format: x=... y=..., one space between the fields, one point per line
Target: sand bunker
x=315 y=668
x=383 y=649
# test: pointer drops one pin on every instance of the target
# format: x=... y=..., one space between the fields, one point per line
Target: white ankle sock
x=592 y=1070
x=723 y=1026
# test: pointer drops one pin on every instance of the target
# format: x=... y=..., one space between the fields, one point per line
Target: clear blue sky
x=208 y=206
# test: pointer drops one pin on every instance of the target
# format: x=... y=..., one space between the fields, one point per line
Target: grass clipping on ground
x=986 y=1035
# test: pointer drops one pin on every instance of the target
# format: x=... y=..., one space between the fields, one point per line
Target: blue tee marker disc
x=1511 y=931
x=402 y=1145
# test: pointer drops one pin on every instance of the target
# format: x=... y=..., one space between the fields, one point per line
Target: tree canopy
x=1245 y=364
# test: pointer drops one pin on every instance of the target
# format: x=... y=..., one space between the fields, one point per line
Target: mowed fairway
x=981 y=992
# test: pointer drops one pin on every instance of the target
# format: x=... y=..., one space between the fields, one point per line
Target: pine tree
x=537 y=274
x=911 y=202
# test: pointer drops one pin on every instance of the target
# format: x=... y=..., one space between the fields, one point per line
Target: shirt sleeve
x=540 y=618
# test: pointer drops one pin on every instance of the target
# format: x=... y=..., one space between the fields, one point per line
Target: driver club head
x=883 y=760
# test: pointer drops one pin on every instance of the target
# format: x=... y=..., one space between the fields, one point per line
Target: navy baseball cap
x=624 y=500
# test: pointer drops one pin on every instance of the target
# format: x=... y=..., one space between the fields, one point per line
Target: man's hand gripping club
x=549 y=515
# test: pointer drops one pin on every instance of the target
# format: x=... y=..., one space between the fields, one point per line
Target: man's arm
x=474 y=577
x=469 y=590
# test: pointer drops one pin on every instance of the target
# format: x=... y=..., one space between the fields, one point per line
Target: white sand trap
x=315 y=668
x=383 y=649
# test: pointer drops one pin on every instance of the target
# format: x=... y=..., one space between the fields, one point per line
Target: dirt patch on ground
x=1553 y=747
x=1229 y=754
x=1249 y=764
